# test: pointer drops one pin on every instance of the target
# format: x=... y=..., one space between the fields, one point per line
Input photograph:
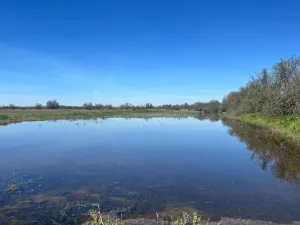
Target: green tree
x=52 y=104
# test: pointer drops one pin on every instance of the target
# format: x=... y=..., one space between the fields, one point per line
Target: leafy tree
x=99 y=106
x=88 y=105
x=11 y=106
x=149 y=106
x=52 y=104
x=271 y=93
x=38 y=106
x=126 y=106
x=109 y=106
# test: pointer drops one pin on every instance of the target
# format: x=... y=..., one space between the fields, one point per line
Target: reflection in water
x=275 y=153
x=138 y=167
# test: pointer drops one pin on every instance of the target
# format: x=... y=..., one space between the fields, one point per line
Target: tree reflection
x=278 y=154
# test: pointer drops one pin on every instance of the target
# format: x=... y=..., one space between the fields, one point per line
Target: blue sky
x=138 y=51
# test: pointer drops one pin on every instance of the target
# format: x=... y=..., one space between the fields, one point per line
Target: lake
x=58 y=170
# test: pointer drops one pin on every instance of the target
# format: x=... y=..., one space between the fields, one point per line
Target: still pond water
x=57 y=171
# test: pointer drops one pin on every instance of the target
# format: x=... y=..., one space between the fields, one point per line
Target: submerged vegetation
x=12 y=186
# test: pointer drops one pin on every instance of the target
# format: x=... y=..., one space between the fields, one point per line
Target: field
x=14 y=116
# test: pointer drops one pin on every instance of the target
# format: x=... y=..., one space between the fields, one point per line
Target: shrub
x=99 y=106
x=88 y=105
x=3 y=117
x=149 y=106
x=108 y=106
x=11 y=106
x=52 y=104
x=275 y=93
x=38 y=106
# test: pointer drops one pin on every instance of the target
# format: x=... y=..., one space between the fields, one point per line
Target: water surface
x=137 y=167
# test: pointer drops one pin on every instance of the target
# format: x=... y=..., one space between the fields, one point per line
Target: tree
x=11 y=106
x=38 y=106
x=52 y=104
x=88 y=105
x=264 y=76
x=126 y=106
x=109 y=106
x=275 y=93
x=99 y=106
x=149 y=106
x=286 y=71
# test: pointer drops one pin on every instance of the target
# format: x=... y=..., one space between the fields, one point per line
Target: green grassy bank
x=15 y=116
x=286 y=125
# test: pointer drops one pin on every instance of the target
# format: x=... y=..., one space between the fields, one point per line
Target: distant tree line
x=274 y=92
x=203 y=107
x=270 y=92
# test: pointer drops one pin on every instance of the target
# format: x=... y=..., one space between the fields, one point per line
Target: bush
x=3 y=117
x=38 y=106
x=149 y=106
x=52 y=104
x=276 y=93
x=108 y=107
x=126 y=106
x=99 y=106
x=11 y=106
x=88 y=105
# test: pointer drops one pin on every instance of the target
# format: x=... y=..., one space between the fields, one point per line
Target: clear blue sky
x=137 y=51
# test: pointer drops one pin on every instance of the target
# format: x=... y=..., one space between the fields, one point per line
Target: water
x=137 y=167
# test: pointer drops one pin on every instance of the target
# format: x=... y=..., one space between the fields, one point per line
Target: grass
x=14 y=116
x=95 y=218
x=285 y=125
x=4 y=117
x=195 y=219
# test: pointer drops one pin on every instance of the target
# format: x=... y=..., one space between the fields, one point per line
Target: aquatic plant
x=13 y=188
x=95 y=218
x=195 y=219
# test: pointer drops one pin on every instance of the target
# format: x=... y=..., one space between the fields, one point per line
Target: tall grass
x=286 y=125
x=95 y=218
x=4 y=117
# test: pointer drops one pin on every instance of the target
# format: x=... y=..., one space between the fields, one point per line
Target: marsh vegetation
x=274 y=93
